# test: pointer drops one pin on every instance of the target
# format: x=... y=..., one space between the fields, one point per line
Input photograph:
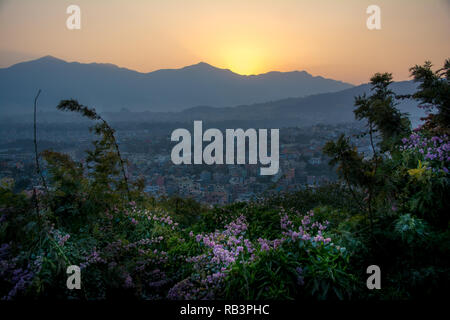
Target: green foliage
x=299 y=270
x=434 y=93
x=405 y=183
x=380 y=113
x=350 y=164
x=411 y=229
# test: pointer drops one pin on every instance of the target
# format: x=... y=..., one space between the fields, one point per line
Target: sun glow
x=244 y=60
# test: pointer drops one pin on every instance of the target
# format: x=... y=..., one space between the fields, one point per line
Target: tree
x=381 y=114
x=434 y=95
x=365 y=175
x=106 y=152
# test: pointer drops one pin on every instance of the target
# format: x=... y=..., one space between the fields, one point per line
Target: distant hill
x=110 y=88
x=326 y=108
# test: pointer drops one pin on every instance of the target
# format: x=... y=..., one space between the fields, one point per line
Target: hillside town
x=147 y=152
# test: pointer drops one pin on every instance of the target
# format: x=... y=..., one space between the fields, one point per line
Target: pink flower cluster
x=227 y=247
x=160 y=216
x=92 y=258
x=61 y=239
x=224 y=248
x=306 y=229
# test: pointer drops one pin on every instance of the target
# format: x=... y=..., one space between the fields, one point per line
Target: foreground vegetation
x=389 y=209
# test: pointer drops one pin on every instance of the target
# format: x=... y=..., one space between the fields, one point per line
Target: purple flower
x=128 y=282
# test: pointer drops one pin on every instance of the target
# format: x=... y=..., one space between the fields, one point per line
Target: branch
x=122 y=165
x=38 y=168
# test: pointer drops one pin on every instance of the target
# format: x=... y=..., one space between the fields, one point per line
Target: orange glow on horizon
x=324 y=37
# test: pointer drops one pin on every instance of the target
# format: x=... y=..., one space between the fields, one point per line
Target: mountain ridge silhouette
x=109 y=87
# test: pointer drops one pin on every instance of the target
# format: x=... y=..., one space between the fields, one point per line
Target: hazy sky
x=323 y=37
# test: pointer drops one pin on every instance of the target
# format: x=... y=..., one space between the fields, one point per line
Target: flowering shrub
x=139 y=262
x=433 y=153
x=18 y=277
x=221 y=250
x=144 y=253
x=423 y=162
x=230 y=252
x=302 y=262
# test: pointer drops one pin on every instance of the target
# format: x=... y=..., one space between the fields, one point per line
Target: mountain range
x=325 y=108
x=200 y=92
x=110 y=88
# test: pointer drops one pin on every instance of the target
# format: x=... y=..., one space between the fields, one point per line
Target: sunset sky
x=324 y=37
